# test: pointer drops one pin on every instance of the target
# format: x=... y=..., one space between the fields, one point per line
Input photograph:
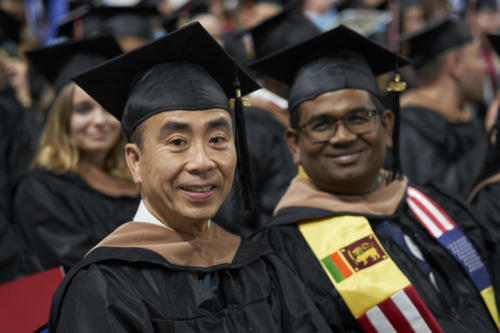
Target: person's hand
x=16 y=71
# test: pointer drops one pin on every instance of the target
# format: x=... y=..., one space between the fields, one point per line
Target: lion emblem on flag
x=363 y=253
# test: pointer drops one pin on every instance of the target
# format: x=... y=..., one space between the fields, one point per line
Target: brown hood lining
x=214 y=247
x=384 y=201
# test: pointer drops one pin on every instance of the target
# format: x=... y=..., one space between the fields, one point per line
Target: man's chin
x=201 y=214
x=345 y=183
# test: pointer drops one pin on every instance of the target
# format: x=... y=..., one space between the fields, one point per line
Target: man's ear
x=387 y=119
x=454 y=64
x=292 y=140
x=133 y=157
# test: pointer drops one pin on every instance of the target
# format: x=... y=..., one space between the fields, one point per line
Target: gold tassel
x=244 y=100
x=396 y=85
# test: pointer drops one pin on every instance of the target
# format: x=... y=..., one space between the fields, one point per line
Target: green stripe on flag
x=330 y=266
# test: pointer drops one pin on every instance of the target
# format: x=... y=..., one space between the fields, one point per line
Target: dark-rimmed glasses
x=323 y=127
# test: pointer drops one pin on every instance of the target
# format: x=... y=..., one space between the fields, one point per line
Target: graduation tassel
x=244 y=185
x=395 y=88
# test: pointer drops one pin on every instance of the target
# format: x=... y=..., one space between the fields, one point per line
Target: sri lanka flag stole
x=376 y=292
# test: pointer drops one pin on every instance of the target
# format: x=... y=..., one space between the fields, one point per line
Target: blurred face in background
x=472 y=72
x=488 y=21
x=93 y=130
x=250 y=16
x=13 y=7
x=412 y=18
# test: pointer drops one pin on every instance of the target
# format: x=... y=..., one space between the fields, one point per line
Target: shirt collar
x=143 y=215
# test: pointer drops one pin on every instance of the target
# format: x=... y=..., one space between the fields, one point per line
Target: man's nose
x=199 y=159
x=342 y=134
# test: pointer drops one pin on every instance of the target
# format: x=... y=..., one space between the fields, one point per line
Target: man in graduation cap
x=485 y=195
x=173 y=269
x=442 y=140
x=376 y=253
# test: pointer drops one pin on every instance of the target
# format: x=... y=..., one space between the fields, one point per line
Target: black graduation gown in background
x=458 y=306
x=132 y=289
x=432 y=149
x=18 y=141
x=11 y=140
x=486 y=202
x=487 y=205
x=61 y=217
x=12 y=265
x=272 y=168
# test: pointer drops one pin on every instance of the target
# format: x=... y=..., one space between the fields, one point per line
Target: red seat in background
x=25 y=303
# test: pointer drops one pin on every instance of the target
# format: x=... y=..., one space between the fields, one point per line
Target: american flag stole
x=440 y=226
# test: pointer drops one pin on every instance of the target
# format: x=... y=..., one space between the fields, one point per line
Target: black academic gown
x=61 y=217
x=133 y=289
x=458 y=306
x=433 y=149
x=272 y=168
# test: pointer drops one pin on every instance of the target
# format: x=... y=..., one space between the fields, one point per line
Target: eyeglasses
x=323 y=128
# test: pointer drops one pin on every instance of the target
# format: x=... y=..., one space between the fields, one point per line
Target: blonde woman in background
x=79 y=177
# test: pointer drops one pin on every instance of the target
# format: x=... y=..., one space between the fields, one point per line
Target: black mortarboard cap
x=186 y=12
x=184 y=70
x=435 y=38
x=495 y=42
x=59 y=63
x=171 y=73
x=278 y=2
x=287 y=28
x=405 y=4
x=10 y=27
x=486 y=4
x=123 y=21
x=337 y=59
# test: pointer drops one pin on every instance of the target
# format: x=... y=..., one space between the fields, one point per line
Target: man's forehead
x=187 y=117
x=341 y=100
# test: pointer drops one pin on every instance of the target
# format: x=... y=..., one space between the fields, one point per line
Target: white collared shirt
x=144 y=215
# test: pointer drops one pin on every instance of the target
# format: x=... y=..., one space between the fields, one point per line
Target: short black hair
x=137 y=136
x=431 y=71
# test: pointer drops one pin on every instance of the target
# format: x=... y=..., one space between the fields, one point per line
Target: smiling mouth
x=346 y=158
x=199 y=193
x=343 y=154
x=198 y=189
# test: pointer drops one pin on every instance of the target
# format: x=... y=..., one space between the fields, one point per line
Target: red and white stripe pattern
x=402 y=312
x=433 y=217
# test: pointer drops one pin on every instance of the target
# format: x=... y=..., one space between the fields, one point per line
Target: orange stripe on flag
x=341 y=265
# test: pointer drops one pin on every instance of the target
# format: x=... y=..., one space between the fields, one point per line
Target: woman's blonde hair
x=59 y=153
